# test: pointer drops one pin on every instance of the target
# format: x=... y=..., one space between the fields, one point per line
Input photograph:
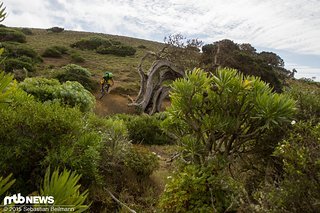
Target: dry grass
x=124 y=68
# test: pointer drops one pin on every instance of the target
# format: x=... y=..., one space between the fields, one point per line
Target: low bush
x=55 y=29
x=70 y=93
x=8 y=34
x=77 y=58
x=198 y=189
x=12 y=64
x=73 y=72
x=16 y=50
x=145 y=129
x=27 y=31
x=141 y=46
x=55 y=51
x=296 y=189
x=118 y=50
x=91 y=43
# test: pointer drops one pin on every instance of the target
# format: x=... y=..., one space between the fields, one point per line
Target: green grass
x=124 y=68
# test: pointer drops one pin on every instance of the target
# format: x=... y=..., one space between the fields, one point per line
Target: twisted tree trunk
x=152 y=92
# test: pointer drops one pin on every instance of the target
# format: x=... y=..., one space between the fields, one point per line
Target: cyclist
x=106 y=82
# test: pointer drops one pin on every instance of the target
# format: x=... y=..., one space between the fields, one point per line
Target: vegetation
x=8 y=34
x=55 y=29
x=55 y=51
x=239 y=146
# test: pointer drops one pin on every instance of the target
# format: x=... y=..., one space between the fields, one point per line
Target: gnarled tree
x=170 y=63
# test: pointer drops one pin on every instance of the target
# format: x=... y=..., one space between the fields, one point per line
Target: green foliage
x=308 y=101
x=141 y=46
x=64 y=188
x=55 y=51
x=243 y=57
x=297 y=188
x=118 y=50
x=198 y=189
x=5 y=91
x=69 y=93
x=2 y=13
x=145 y=129
x=91 y=43
x=55 y=29
x=12 y=64
x=5 y=184
x=27 y=31
x=224 y=113
x=73 y=72
x=15 y=50
x=8 y=34
x=77 y=58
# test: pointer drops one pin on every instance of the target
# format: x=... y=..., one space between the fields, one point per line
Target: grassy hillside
x=124 y=68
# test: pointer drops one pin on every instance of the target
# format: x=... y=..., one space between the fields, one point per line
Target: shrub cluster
x=104 y=46
x=69 y=93
x=8 y=34
x=19 y=56
x=73 y=72
x=145 y=129
x=27 y=31
x=55 y=51
x=55 y=29
x=77 y=58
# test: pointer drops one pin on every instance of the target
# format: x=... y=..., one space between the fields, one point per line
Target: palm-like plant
x=5 y=184
x=64 y=188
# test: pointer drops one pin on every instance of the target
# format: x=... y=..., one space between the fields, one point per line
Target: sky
x=289 y=28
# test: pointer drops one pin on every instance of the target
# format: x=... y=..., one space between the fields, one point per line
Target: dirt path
x=112 y=104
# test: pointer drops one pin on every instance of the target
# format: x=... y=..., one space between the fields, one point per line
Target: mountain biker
x=106 y=82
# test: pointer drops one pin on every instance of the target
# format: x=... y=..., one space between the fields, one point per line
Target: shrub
x=15 y=50
x=119 y=50
x=297 y=187
x=8 y=34
x=27 y=31
x=55 y=29
x=141 y=46
x=91 y=43
x=146 y=129
x=77 y=58
x=55 y=51
x=73 y=72
x=68 y=93
x=12 y=64
x=197 y=189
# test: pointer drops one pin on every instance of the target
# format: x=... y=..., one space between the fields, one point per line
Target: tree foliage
x=223 y=114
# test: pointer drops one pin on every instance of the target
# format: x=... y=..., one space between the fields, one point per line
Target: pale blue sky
x=290 y=28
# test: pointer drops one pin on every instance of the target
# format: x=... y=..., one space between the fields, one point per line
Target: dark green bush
x=119 y=50
x=297 y=188
x=55 y=51
x=141 y=46
x=55 y=29
x=8 y=34
x=12 y=64
x=73 y=72
x=77 y=58
x=91 y=43
x=29 y=130
x=15 y=50
x=27 y=31
x=145 y=129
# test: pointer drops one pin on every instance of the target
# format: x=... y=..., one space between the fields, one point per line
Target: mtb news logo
x=19 y=199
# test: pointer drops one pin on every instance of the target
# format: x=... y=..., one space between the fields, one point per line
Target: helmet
x=108 y=75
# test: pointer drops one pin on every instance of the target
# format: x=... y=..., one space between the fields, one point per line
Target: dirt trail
x=112 y=104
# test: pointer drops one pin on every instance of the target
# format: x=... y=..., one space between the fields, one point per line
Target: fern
x=64 y=188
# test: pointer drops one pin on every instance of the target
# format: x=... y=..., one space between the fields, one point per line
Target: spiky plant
x=65 y=189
